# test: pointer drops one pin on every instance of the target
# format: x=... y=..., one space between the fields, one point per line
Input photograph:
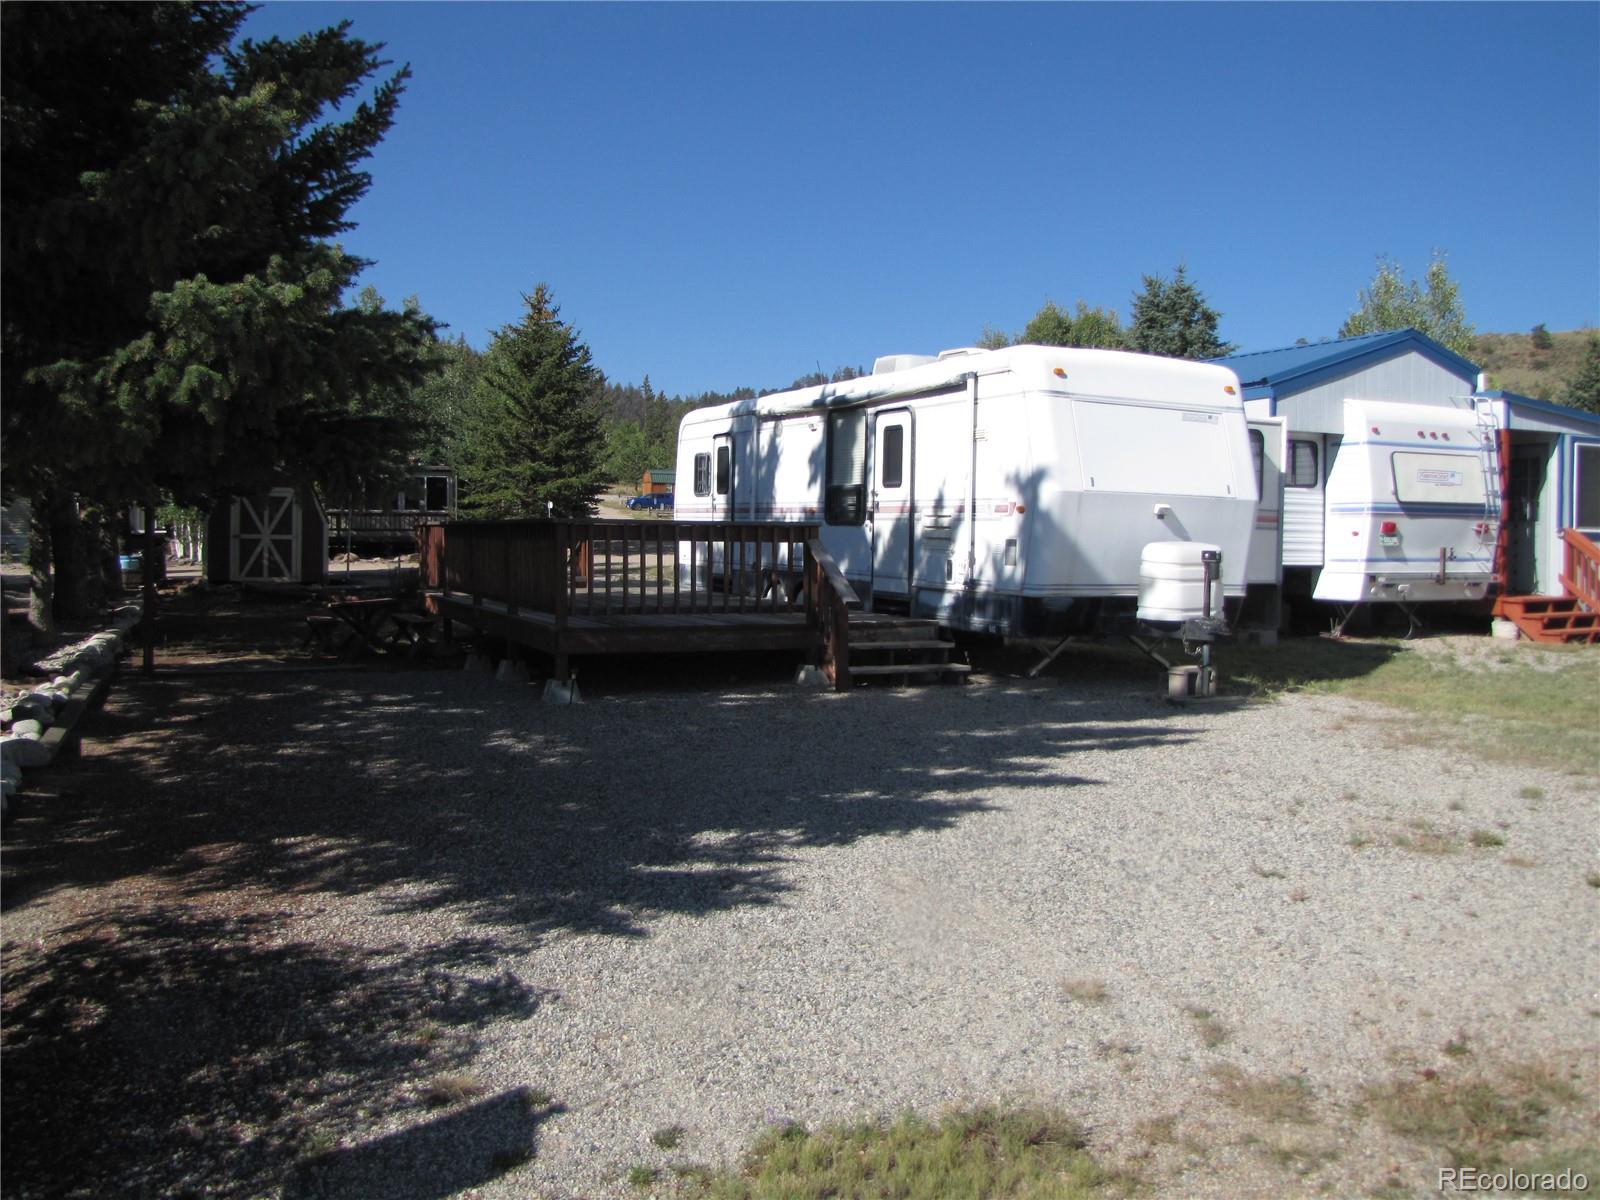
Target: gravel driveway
x=405 y=928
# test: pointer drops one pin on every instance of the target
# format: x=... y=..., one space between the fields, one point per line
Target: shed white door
x=264 y=537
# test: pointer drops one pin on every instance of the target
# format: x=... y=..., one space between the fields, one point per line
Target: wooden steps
x=1550 y=618
x=887 y=646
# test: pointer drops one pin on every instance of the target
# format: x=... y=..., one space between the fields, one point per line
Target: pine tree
x=538 y=445
x=1583 y=389
x=660 y=429
x=1393 y=302
x=1174 y=320
x=174 y=307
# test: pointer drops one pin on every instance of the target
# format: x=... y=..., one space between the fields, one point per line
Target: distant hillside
x=1514 y=365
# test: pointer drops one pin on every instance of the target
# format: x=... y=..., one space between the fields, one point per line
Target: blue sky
x=736 y=194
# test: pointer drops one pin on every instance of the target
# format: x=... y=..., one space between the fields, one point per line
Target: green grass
x=1483 y=1119
x=1212 y=1031
x=669 y=1137
x=1086 y=991
x=1283 y=1098
x=1522 y=712
x=1018 y=1153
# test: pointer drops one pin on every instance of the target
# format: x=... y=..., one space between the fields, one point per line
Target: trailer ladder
x=1493 y=528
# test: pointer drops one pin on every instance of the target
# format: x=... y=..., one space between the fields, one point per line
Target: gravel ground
x=423 y=936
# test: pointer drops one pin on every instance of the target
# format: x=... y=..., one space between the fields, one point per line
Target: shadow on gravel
x=465 y=1148
x=195 y=1038
x=158 y=1051
x=594 y=818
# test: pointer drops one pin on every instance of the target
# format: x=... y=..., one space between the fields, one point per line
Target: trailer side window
x=724 y=473
x=894 y=454
x=845 y=500
x=702 y=474
x=1258 y=450
x=1302 y=465
x=1588 y=492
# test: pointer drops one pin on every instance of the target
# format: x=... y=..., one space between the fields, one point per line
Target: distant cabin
x=384 y=519
x=658 y=480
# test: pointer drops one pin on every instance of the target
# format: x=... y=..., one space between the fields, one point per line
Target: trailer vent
x=890 y=363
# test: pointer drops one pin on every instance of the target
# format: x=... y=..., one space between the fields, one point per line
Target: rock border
x=41 y=724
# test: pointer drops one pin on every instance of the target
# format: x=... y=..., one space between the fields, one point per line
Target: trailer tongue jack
x=1196 y=634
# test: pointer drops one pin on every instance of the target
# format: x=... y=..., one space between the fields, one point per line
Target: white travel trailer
x=1412 y=507
x=1390 y=471
x=1006 y=491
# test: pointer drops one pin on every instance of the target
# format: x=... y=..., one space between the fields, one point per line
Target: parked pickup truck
x=654 y=500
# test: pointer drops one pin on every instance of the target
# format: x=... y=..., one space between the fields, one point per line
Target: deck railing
x=832 y=597
x=1580 y=574
x=383 y=523
x=565 y=569
x=617 y=568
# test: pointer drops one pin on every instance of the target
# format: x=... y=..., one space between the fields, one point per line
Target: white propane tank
x=1172 y=583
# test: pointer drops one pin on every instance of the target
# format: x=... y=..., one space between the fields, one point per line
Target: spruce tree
x=539 y=446
x=174 y=305
x=1583 y=389
x=1174 y=320
x=174 y=315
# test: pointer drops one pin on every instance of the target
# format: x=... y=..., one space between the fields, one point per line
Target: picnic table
x=376 y=623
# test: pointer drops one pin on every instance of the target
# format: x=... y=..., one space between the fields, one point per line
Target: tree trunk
x=41 y=581
x=100 y=536
x=71 y=564
x=148 y=574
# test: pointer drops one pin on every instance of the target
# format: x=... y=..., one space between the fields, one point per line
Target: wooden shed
x=276 y=536
x=658 y=481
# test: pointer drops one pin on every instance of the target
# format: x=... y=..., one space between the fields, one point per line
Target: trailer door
x=1269 y=448
x=723 y=483
x=889 y=509
x=1303 y=493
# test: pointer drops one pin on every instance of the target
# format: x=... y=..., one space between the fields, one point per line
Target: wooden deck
x=568 y=588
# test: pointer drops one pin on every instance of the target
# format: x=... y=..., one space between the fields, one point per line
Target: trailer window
x=845 y=500
x=1303 y=465
x=894 y=453
x=1588 y=496
x=702 y=474
x=724 y=470
x=1424 y=478
x=1258 y=451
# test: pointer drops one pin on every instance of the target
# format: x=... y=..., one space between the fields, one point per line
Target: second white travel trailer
x=1007 y=491
x=1391 y=473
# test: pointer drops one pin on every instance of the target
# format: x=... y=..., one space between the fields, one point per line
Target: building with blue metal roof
x=1542 y=461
